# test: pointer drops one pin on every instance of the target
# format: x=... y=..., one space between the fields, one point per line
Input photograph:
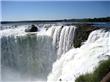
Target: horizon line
x=53 y=19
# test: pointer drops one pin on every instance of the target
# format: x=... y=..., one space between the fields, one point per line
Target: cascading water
x=84 y=59
x=29 y=57
x=62 y=38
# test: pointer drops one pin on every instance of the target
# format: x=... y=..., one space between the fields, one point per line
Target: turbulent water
x=29 y=56
x=84 y=59
x=49 y=55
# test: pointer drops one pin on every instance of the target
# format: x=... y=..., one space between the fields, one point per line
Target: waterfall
x=62 y=38
x=29 y=54
x=29 y=57
x=84 y=59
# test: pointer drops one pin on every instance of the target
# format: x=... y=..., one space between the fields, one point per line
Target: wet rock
x=106 y=78
x=32 y=29
x=81 y=34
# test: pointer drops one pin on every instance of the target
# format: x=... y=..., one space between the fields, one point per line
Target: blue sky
x=52 y=10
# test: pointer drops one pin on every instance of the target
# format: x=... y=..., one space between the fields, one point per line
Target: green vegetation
x=103 y=19
x=98 y=74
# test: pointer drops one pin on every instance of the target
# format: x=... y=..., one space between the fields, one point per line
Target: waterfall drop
x=84 y=59
x=32 y=54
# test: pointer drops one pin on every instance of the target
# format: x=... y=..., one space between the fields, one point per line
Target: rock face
x=82 y=32
x=106 y=78
x=32 y=29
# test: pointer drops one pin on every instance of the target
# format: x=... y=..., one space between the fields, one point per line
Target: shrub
x=98 y=74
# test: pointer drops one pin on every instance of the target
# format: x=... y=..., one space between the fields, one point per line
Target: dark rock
x=106 y=78
x=81 y=34
x=32 y=29
x=60 y=79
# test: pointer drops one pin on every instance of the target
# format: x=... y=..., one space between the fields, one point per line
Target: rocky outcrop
x=82 y=32
x=32 y=29
x=106 y=78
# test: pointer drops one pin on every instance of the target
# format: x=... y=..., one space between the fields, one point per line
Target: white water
x=29 y=57
x=82 y=60
x=62 y=38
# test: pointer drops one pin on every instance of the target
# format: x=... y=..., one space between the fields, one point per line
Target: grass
x=98 y=74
